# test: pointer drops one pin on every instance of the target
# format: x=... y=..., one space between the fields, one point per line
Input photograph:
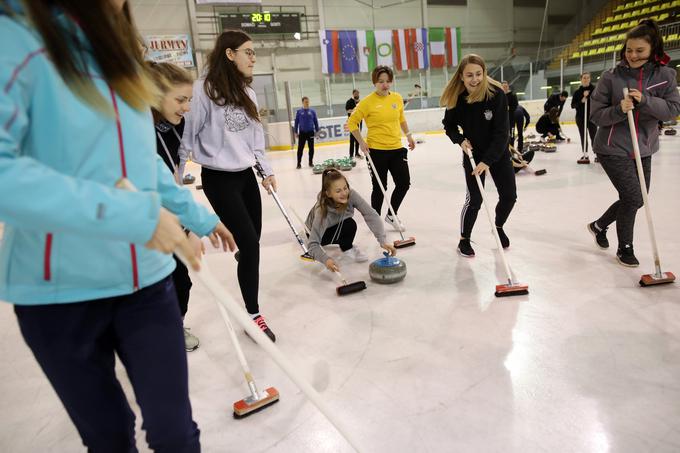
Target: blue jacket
x=69 y=235
x=306 y=121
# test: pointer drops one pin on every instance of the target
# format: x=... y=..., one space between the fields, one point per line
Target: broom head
x=507 y=290
x=652 y=279
x=307 y=257
x=350 y=288
x=408 y=242
x=250 y=405
x=583 y=160
x=541 y=172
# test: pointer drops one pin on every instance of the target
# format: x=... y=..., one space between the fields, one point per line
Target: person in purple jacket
x=306 y=127
x=653 y=97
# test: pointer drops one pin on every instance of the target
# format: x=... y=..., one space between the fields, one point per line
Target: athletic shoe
x=599 y=235
x=355 y=254
x=262 y=324
x=398 y=226
x=311 y=164
x=626 y=256
x=190 y=341
x=359 y=156
x=465 y=249
x=298 y=166
x=505 y=242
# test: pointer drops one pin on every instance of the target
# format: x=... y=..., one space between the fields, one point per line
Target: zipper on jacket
x=121 y=148
x=611 y=132
x=47 y=272
x=637 y=112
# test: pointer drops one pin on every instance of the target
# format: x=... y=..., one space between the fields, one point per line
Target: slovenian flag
x=330 y=56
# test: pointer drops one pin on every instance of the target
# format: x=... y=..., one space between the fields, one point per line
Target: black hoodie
x=484 y=124
x=576 y=100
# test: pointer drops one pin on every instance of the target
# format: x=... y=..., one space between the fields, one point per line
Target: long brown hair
x=455 y=87
x=648 y=30
x=323 y=201
x=224 y=83
x=166 y=76
x=113 y=39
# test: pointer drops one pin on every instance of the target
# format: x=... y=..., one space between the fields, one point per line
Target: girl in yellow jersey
x=383 y=112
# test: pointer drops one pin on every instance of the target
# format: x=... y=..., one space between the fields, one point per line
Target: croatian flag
x=410 y=48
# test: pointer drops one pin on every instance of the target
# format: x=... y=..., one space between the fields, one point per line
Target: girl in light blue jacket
x=84 y=262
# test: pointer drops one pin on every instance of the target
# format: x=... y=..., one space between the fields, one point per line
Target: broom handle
x=585 y=127
x=382 y=189
x=239 y=352
x=491 y=221
x=223 y=298
x=643 y=188
x=260 y=171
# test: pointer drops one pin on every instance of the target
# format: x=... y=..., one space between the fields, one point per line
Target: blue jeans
x=75 y=345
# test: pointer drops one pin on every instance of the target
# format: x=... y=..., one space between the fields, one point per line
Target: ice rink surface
x=587 y=362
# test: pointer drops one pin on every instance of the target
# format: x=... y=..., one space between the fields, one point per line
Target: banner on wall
x=175 y=49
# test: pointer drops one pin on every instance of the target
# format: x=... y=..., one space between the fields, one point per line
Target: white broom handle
x=492 y=223
x=208 y=279
x=382 y=189
x=643 y=186
x=586 y=131
x=290 y=223
x=239 y=352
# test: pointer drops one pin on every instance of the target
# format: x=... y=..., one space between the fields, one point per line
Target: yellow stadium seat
x=610 y=49
x=576 y=55
x=597 y=31
x=644 y=11
x=626 y=15
x=619 y=8
x=655 y=8
x=664 y=16
x=606 y=29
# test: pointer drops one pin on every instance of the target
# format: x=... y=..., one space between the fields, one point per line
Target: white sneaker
x=190 y=341
x=355 y=254
x=398 y=226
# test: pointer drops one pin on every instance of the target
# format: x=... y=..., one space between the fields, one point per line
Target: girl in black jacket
x=476 y=118
x=578 y=102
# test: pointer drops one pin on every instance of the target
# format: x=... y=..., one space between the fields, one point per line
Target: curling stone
x=670 y=132
x=345 y=165
x=189 y=179
x=328 y=163
x=388 y=269
x=549 y=147
x=353 y=162
x=318 y=169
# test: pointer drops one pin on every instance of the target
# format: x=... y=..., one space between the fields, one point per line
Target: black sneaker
x=599 y=235
x=626 y=256
x=298 y=166
x=262 y=324
x=311 y=164
x=505 y=242
x=465 y=249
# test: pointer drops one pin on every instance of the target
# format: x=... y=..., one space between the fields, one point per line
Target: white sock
x=255 y=315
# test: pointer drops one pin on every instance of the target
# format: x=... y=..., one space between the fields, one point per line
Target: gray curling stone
x=388 y=269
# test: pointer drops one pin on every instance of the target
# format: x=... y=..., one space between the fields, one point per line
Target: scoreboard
x=262 y=23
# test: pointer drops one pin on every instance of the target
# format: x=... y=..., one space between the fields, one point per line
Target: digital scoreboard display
x=262 y=23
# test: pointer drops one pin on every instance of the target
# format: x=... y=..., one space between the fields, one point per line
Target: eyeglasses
x=250 y=53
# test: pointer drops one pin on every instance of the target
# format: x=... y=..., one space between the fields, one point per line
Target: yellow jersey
x=383 y=116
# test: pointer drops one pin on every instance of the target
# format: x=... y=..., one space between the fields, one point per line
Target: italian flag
x=366 y=50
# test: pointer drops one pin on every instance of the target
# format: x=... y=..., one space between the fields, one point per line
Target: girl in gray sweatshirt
x=330 y=221
x=653 y=97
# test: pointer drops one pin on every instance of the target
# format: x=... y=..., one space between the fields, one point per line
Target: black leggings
x=235 y=197
x=503 y=176
x=592 y=130
x=354 y=144
x=302 y=138
x=622 y=172
x=344 y=236
x=182 y=285
x=396 y=162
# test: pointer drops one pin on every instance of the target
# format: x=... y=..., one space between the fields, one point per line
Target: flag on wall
x=444 y=46
x=383 y=47
x=349 y=53
x=410 y=48
x=453 y=54
x=366 y=48
x=330 y=55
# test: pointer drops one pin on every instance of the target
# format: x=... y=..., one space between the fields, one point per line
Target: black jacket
x=351 y=104
x=554 y=101
x=576 y=100
x=513 y=103
x=484 y=124
x=164 y=131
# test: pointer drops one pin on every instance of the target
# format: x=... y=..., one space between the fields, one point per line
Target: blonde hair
x=455 y=87
x=166 y=76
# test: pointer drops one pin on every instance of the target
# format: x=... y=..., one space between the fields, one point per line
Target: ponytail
x=648 y=30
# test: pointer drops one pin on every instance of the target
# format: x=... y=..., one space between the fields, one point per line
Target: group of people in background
x=89 y=233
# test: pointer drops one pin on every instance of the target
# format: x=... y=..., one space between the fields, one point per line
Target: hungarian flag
x=453 y=54
x=366 y=48
x=410 y=48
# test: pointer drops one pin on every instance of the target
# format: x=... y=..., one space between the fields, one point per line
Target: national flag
x=367 y=51
x=383 y=48
x=453 y=54
x=421 y=60
x=437 y=47
x=402 y=57
x=349 y=52
x=330 y=53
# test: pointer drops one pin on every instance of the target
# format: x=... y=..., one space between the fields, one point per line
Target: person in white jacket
x=223 y=134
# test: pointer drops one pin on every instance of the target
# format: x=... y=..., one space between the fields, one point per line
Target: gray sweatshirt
x=660 y=102
x=318 y=226
x=222 y=137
